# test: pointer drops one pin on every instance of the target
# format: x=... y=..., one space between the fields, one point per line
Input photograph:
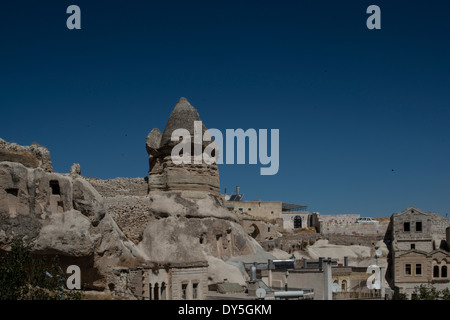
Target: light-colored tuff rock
x=75 y=169
x=34 y=156
x=176 y=217
x=88 y=201
x=56 y=214
x=164 y=175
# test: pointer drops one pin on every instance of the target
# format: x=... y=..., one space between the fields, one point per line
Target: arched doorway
x=253 y=231
x=156 y=292
x=297 y=222
x=163 y=291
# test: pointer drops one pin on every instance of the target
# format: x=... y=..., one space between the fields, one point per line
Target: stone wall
x=127 y=201
x=346 y=224
x=423 y=245
x=131 y=213
x=298 y=241
x=120 y=186
x=267 y=210
x=359 y=229
x=338 y=218
x=439 y=227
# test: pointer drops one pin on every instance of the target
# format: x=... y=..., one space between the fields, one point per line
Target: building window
x=406 y=226
x=195 y=291
x=413 y=245
x=435 y=272
x=241 y=209
x=418 y=226
x=344 y=285
x=418 y=269
x=249 y=209
x=271 y=212
x=408 y=269
x=444 y=272
x=184 y=291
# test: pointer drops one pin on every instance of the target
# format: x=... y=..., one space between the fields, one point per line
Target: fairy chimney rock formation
x=188 y=178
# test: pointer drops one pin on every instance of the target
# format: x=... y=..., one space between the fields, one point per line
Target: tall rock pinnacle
x=164 y=175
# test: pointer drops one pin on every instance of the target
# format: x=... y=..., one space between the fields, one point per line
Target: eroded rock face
x=59 y=215
x=88 y=201
x=34 y=156
x=178 y=217
x=164 y=175
x=182 y=239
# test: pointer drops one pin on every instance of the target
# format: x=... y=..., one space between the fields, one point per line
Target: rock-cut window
x=54 y=185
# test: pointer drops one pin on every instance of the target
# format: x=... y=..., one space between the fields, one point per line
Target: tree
x=425 y=292
x=445 y=294
x=23 y=277
x=429 y=292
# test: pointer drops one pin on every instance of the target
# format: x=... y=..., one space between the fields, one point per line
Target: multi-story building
x=293 y=215
x=420 y=252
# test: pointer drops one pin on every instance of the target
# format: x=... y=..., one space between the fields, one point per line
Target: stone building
x=170 y=281
x=420 y=252
x=264 y=210
x=292 y=216
x=295 y=217
x=326 y=278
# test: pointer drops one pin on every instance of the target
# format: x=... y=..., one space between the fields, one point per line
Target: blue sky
x=363 y=114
